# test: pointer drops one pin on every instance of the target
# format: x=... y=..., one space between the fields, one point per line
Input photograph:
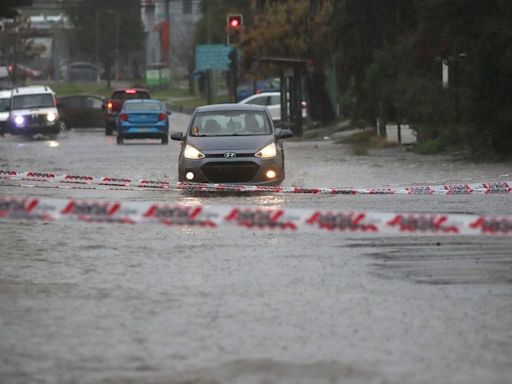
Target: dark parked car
x=81 y=111
x=232 y=143
x=143 y=119
x=80 y=71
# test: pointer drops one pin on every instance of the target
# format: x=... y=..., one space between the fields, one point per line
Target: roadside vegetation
x=69 y=88
x=365 y=140
x=383 y=60
x=443 y=67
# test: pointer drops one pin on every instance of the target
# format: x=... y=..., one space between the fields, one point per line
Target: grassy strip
x=197 y=102
x=91 y=88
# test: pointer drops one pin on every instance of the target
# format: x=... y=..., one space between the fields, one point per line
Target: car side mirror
x=283 y=133
x=178 y=136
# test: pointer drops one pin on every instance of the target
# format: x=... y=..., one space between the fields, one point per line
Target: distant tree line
x=388 y=57
x=107 y=30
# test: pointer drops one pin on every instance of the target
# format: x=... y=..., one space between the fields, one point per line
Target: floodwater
x=106 y=303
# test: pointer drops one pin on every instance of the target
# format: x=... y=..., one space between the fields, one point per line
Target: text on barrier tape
x=343 y=222
x=104 y=182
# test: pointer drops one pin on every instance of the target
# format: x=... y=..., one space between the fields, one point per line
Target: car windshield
x=230 y=123
x=5 y=104
x=142 y=107
x=42 y=100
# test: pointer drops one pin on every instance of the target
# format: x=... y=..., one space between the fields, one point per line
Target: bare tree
x=183 y=49
x=16 y=46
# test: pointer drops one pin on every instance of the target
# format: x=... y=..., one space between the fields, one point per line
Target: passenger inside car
x=211 y=127
x=251 y=124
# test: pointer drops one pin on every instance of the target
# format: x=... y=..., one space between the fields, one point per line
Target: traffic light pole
x=233 y=56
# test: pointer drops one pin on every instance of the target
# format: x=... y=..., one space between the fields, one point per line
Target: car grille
x=36 y=120
x=230 y=172
x=238 y=155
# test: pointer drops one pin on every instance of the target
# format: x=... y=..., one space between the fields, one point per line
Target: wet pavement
x=103 y=303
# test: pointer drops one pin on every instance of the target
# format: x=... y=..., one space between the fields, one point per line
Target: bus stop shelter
x=291 y=72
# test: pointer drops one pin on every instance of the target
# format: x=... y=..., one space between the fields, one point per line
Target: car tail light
x=130 y=91
x=162 y=116
x=123 y=117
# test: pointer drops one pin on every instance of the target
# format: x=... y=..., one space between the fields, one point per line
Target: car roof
x=261 y=94
x=134 y=88
x=230 y=107
x=5 y=94
x=31 y=89
x=80 y=95
x=130 y=101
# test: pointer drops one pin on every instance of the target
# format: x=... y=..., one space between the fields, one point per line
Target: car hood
x=34 y=111
x=230 y=143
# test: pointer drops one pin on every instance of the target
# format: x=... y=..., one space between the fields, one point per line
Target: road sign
x=212 y=56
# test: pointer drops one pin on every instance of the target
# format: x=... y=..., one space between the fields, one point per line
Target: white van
x=33 y=110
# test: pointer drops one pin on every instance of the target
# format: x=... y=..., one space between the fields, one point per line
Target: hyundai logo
x=229 y=155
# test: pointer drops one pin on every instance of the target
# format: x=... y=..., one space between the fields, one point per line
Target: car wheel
x=109 y=130
x=63 y=125
x=165 y=139
x=120 y=139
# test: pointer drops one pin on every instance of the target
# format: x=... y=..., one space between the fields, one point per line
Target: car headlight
x=51 y=116
x=267 y=151
x=191 y=153
x=19 y=120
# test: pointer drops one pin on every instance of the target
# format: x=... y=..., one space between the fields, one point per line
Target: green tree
x=363 y=29
x=298 y=30
x=110 y=31
x=390 y=67
x=9 y=8
x=475 y=37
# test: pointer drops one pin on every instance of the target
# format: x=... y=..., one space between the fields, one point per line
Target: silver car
x=232 y=143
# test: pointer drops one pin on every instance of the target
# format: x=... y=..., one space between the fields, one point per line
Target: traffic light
x=235 y=21
x=234 y=24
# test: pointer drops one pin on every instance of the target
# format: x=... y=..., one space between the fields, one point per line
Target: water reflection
x=52 y=143
x=262 y=199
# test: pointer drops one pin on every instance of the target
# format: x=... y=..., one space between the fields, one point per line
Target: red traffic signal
x=234 y=21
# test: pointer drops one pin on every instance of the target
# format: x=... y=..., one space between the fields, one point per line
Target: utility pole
x=168 y=22
x=209 y=90
x=117 y=47
x=97 y=48
x=444 y=63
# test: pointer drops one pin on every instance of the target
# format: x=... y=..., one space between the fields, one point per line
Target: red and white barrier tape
x=498 y=187
x=290 y=220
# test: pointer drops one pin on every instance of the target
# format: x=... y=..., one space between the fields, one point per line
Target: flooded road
x=105 y=303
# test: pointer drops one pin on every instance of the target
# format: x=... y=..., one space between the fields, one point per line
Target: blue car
x=143 y=119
